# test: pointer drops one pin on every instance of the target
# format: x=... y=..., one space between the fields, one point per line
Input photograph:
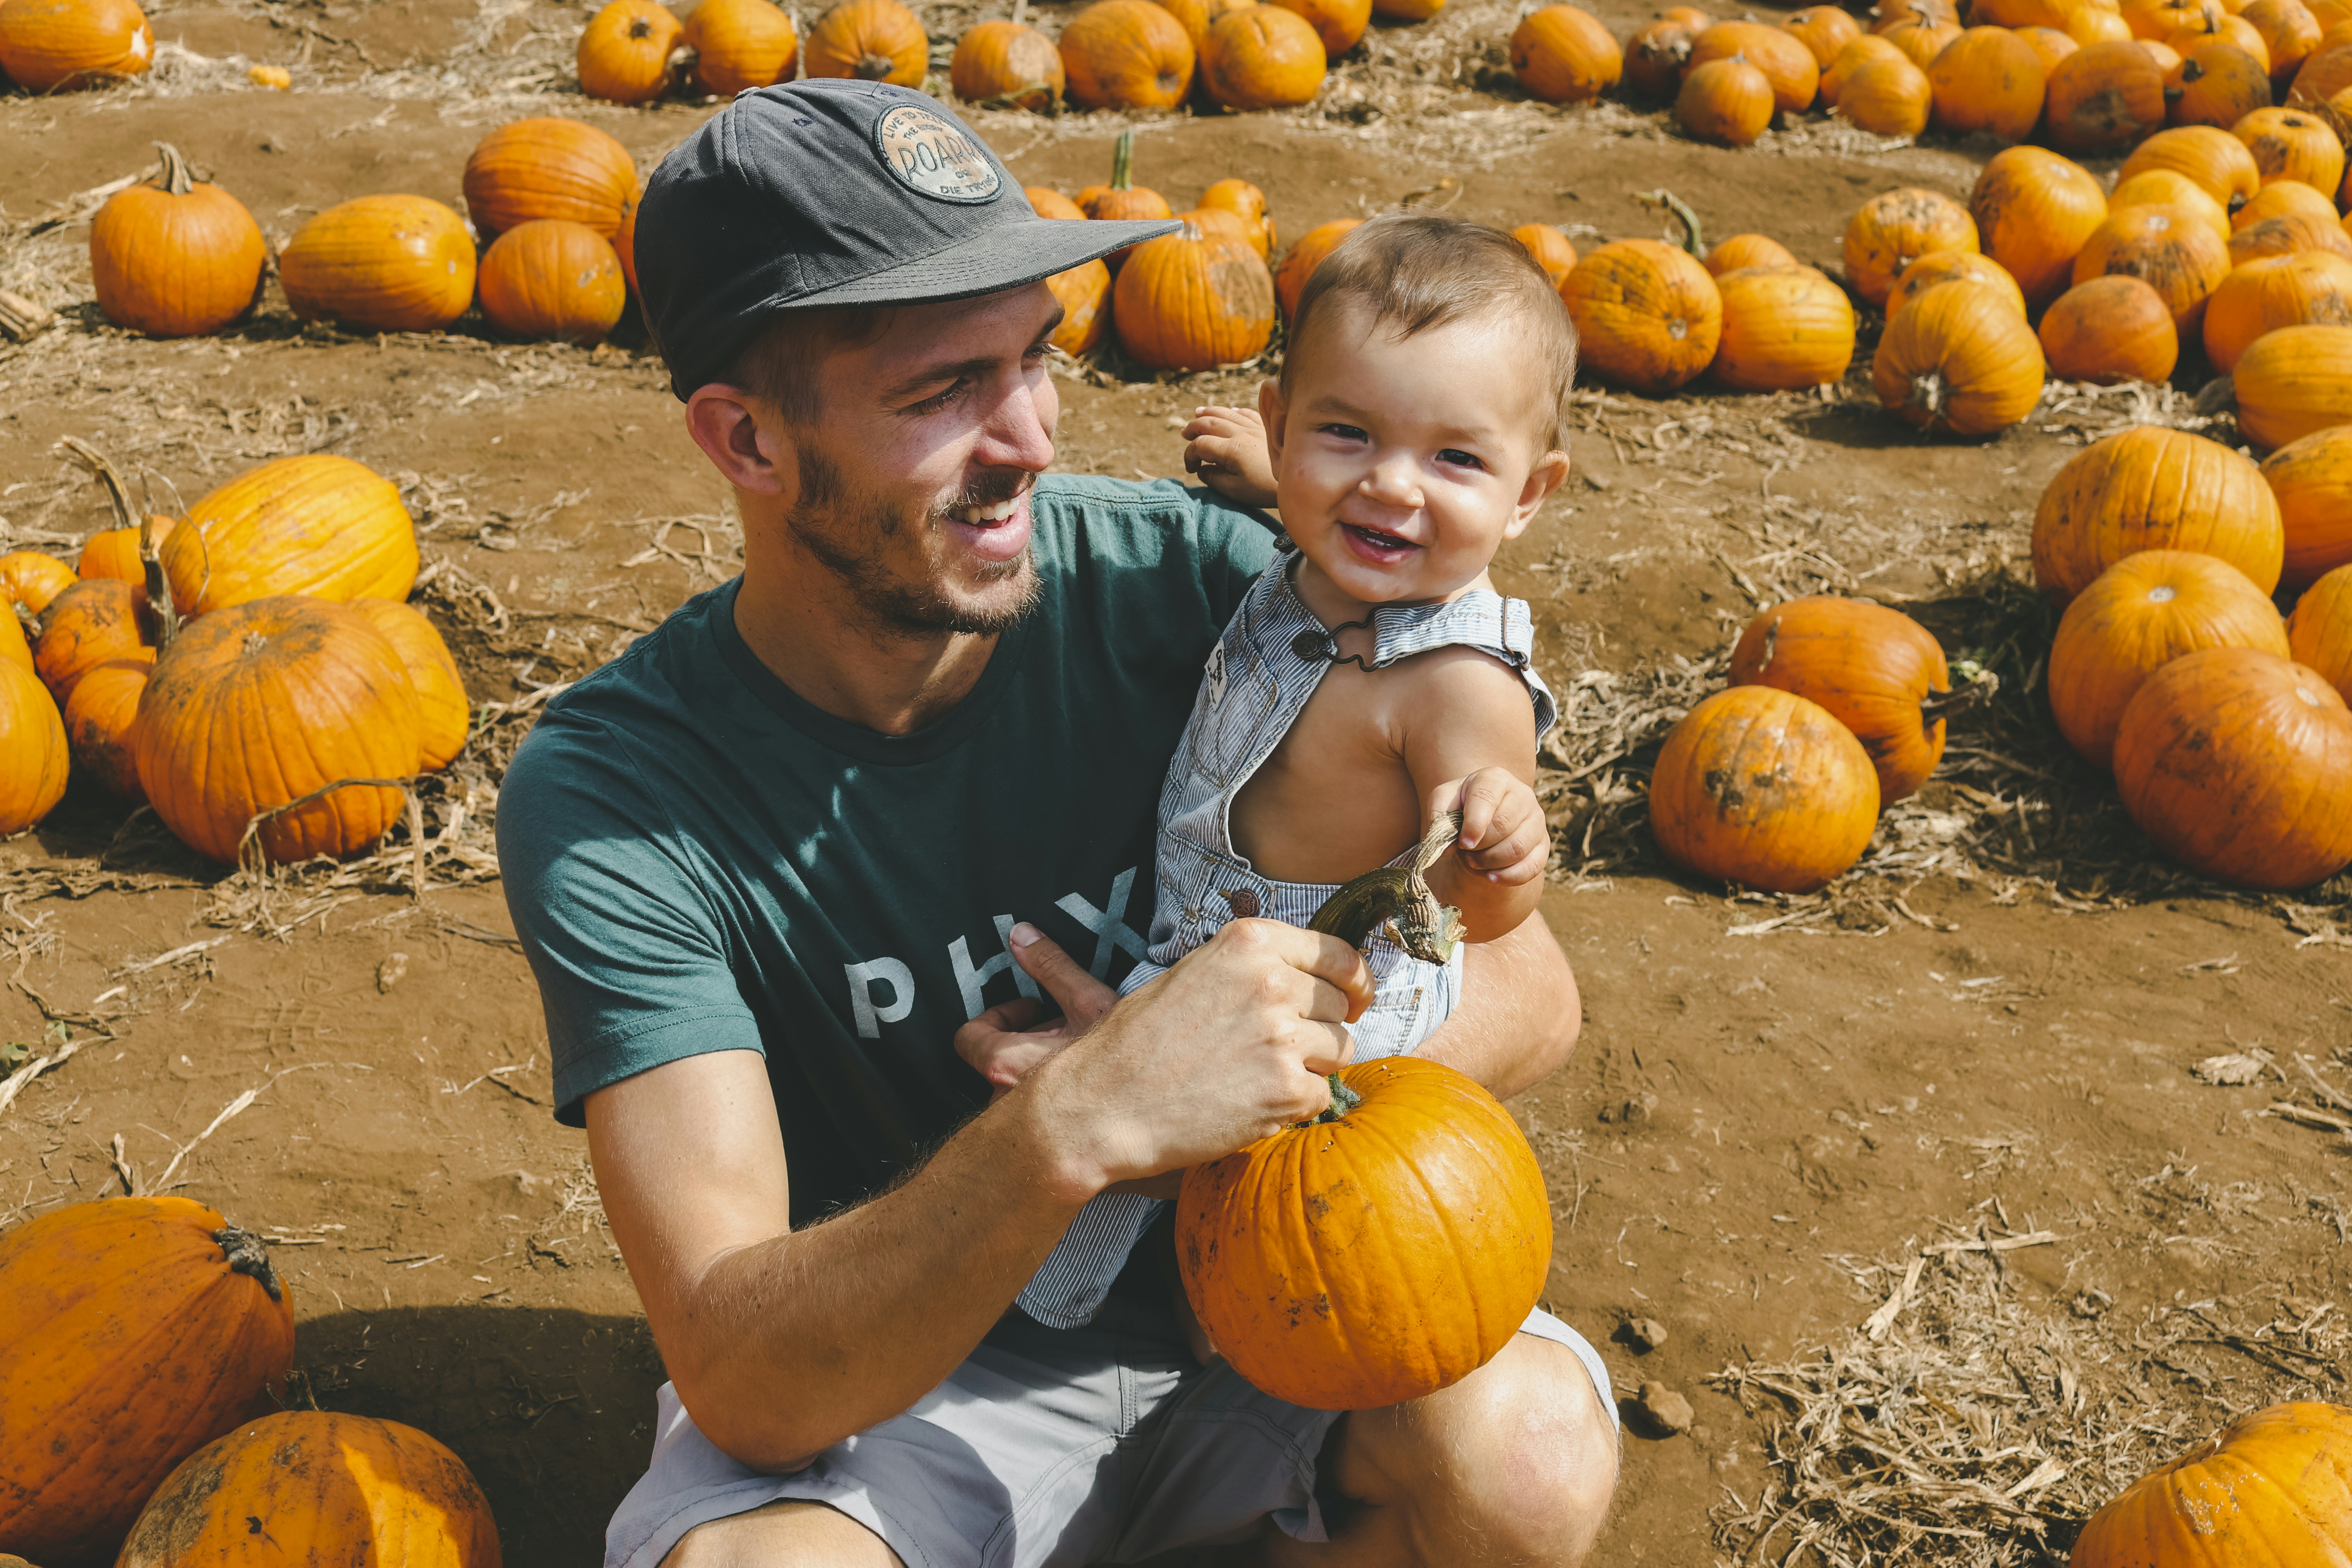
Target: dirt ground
x=1968 y=1067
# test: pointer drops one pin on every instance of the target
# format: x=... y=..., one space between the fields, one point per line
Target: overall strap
x=1481 y=618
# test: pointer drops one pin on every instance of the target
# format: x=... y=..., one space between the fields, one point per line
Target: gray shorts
x=1046 y=1447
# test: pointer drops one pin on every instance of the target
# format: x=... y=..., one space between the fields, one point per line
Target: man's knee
x=782 y=1535
x=1549 y=1451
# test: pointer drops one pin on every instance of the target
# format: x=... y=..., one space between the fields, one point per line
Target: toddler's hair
x=1413 y=271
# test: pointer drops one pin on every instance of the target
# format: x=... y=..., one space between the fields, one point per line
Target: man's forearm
x=1520 y=1013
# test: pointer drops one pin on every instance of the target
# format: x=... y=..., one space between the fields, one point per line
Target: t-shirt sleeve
x=630 y=954
x=1233 y=545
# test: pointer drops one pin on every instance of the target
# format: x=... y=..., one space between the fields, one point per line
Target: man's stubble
x=846 y=532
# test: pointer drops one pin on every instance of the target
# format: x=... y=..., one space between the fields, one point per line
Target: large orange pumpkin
x=2292 y=382
x=138 y=1330
x=1726 y=101
x=743 y=43
x=2237 y=763
x=394 y=264
x=96 y=620
x=33 y=767
x=1759 y=786
x=1127 y=54
x=1959 y=359
x=1886 y=97
x=1784 y=329
x=48 y=44
x=2171 y=249
x=1375 y=1256
x=29 y=580
x=258 y=705
x=1194 y=299
x=874 y=40
x=1261 y=56
x=1987 y=78
x=2276 y=291
x=322 y=1487
x=2319 y=632
x=1299 y=265
x=550 y=279
x=553 y=168
x=2148 y=488
x=2033 y=210
x=1875 y=670
x=2139 y=615
x=174 y=258
x=1894 y=230
x=1647 y=315
x=1824 y=29
x=316 y=524
x=2274 y=1486
x=1941 y=266
x=1005 y=64
x=1781 y=56
x=2111 y=330
x=1562 y=55
x=2312 y=480
x=2104 y=97
x=624 y=52
x=2208 y=154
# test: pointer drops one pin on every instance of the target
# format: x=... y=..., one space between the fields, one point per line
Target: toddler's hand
x=1503 y=836
x=1227 y=447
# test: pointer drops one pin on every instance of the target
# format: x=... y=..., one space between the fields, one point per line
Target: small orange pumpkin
x=45 y=44
x=2312 y=480
x=1877 y=671
x=1657 y=54
x=1960 y=358
x=2289 y=144
x=1194 y=299
x=1784 y=329
x=392 y=264
x=1647 y=315
x=549 y=278
x=1003 y=64
x=1726 y=100
x=317 y=524
x=1338 y=23
x=114 y=552
x=1952 y=267
x=1195 y=16
x=2319 y=632
x=2291 y=381
x=873 y=40
x=553 y=168
x=1987 y=78
x=174 y=258
x=1290 y=278
x=2170 y=248
x=2087 y=24
x=1248 y=203
x=1747 y=250
x=2279 y=199
x=1562 y=55
x=101 y=721
x=2288 y=234
x=1921 y=40
x=1781 y=56
x=2033 y=210
x=1084 y=294
x=444 y=715
x=1893 y=230
x=91 y=623
x=2148 y=488
x=1869 y=47
x=1550 y=248
x=1048 y=203
x=32 y=756
x=2111 y=330
x=1886 y=98
x=1127 y=54
x=1123 y=199
x=1824 y=29
x=29 y=581
x=741 y=44
x=2276 y=291
x=2104 y=97
x=1261 y=56
x=2211 y=156
x=1759 y=786
x=624 y=52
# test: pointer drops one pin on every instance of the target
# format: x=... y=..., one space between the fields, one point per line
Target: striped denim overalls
x=1273 y=654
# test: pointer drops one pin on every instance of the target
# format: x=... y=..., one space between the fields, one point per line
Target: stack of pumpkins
x=146 y=1338
x=233 y=668
x=47 y=45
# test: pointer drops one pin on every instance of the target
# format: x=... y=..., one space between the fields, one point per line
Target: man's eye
x=939 y=400
x=1454 y=457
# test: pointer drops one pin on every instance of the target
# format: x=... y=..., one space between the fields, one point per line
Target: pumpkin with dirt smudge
x=1758 y=786
x=2033 y=210
x=1194 y=299
x=2104 y=97
x=1895 y=228
x=1875 y=670
x=2148 y=488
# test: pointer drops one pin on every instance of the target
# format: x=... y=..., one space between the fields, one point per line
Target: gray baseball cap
x=835 y=192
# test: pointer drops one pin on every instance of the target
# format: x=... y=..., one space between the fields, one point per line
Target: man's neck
x=801 y=621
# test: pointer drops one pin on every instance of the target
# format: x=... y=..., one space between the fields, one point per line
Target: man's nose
x=1015 y=434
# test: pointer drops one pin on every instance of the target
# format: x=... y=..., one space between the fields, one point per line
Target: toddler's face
x=1403 y=464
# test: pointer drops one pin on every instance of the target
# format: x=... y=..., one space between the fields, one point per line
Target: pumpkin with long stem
x=1127 y=54
x=173 y=258
x=873 y=40
x=2148 y=488
x=2319 y=632
x=104 y=649
x=1759 y=786
x=549 y=167
x=1123 y=199
x=2312 y=480
x=627 y=52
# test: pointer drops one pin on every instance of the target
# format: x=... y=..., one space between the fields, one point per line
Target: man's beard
x=845 y=532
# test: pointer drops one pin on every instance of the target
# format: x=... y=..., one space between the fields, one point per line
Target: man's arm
x=1520 y=1012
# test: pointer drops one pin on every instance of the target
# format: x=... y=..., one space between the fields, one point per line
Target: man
x=878 y=802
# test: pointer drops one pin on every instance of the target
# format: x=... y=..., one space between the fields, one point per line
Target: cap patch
x=934 y=157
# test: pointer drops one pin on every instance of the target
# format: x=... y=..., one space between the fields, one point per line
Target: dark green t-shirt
x=698 y=860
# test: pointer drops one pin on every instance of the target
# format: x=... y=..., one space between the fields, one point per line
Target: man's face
x=916 y=475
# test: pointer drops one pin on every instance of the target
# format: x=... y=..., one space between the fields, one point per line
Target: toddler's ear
x=1271 y=410
x=1548 y=473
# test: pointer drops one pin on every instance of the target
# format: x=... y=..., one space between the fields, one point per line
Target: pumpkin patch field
x=1949 y=610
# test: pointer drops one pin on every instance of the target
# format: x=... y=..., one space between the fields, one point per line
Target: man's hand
x=1005 y=1043
x=1503 y=836
x=1227 y=447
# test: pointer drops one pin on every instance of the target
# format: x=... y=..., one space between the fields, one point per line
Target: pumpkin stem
x=1122 y=162
x=874 y=67
x=1682 y=213
x=248 y=1257
x=641 y=27
x=1976 y=685
x=1927 y=392
x=1343 y=1101
x=176 y=180
x=117 y=495
x=1020 y=12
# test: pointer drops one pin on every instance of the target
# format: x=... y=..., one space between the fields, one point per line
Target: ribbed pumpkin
x=1852 y=58
x=2216 y=83
x=1127 y=54
x=1084 y=294
x=2288 y=234
x=48 y=44
x=173 y=258
x=624 y=52
x=741 y=44
x=1958 y=359
x=2319 y=632
x=1987 y=78
x=1374 y=1257
x=552 y=168
x=1877 y=671
x=1786 y=62
x=13 y=648
x=2276 y=291
x=325 y=1487
x=2282 y=198
x=2289 y=144
x=2152 y=489
x=33 y=768
x=1562 y=55
x=2274 y=1486
x=2111 y=330
x=2033 y=210
x=1194 y=299
x=1759 y=786
x=2049 y=46
x=1290 y=278
x=138 y=1330
x=29 y=580
x=1886 y=98
x=2170 y=188
x=1921 y=40
x=2171 y=249
x=873 y=40
x=1747 y=250
x=317 y=524
x=93 y=622
x=2312 y=480
x=2139 y=615
x=1952 y=267
x=114 y=552
x=1248 y=203
x=394 y=264
x=256 y=706
x=1893 y=230
x=2237 y=763
x=2215 y=24
x=2289 y=33
x=1726 y=101
x=1007 y=64
x=2087 y=24
x=1261 y=56
x=1550 y=248
x=2292 y=382
x=1123 y=199
x=1784 y=329
x=549 y=278
x=1657 y=52
x=1647 y=315
x=2104 y=97
x=444 y=715
x=1338 y=23
x=2215 y=160
x=102 y=722
x=2326 y=73
x=1824 y=29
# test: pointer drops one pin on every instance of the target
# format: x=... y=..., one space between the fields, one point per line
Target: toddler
x=1373 y=679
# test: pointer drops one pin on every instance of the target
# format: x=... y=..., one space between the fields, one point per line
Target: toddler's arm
x=1470 y=744
x=1227 y=447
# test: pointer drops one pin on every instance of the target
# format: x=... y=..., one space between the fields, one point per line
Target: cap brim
x=1004 y=258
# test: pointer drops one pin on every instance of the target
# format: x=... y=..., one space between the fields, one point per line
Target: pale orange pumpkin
x=173 y=258
x=32 y=752
x=317 y=524
x=1747 y=250
x=1877 y=671
x=1290 y=278
x=548 y=167
x=2104 y=97
x=1647 y=315
x=1127 y=54
x=1781 y=56
x=873 y=40
x=1193 y=300
x=2282 y=198
x=2148 y=488
x=1893 y=230
x=2312 y=480
x=1784 y=329
x=1562 y=55
x=2033 y=210
x=549 y=278
x=1824 y=29
x=624 y=52
x=2291 y=381
x=394 y=264
x=2319 y=632
x=743 y=43
x=2276 y=291
x=1759 y=786
x=2215 y=160
x=1551 y=248
x=1261 y=56
x=2171 y=249
x=1726 y=101
x=1886 y=98
x=45 y=44
x=1084 y=294
x=1009 y=64
x=2272 y=1486
x=1952 y=267
x=2110 y=330
x=1988 y=79
x=1958 y=359
x=1048 y=203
